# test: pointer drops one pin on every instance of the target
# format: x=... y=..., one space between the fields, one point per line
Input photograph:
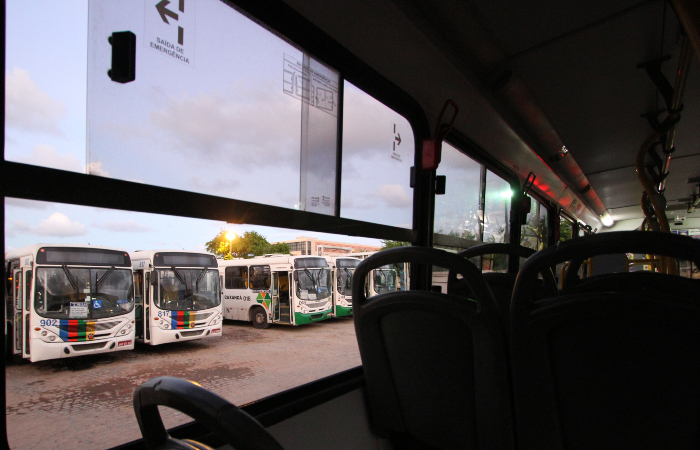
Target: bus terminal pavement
x=86 y=402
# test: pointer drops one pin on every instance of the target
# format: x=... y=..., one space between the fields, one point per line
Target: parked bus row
x=70 y=300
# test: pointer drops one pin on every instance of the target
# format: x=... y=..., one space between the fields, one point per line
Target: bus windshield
x=83 y=293
x=188 y=289
x=345 y=280
x=313 y=284
x=385 y=280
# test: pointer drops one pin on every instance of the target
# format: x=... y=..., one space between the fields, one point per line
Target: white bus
x=178 y=296
x=342 y=269
x=284 y=289
x=68 y=300
x=386 y=278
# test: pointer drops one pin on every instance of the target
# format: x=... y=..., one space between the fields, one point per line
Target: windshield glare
x=345 y=281
x=385 y=281
x=179 y=290
x=55 y=297
x=313 y=284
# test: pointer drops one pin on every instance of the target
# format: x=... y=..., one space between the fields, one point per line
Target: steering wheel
x=240 y=430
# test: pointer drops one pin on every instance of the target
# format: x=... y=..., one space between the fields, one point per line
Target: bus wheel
x=259 y=318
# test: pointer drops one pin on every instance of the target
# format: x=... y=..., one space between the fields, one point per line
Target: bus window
x=260 y=277
x=566 y=228
x=236 y=277
x=103 y=292
x=378 y=152
x=534 y=233
x=457 y=211
x=27 y=290
x=497 y=209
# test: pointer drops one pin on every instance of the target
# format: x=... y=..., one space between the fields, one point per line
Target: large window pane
x=378 y=152
x=534 y=233
x=224 y=107
x=496 y=209
x=457 y=212
x=80 y=395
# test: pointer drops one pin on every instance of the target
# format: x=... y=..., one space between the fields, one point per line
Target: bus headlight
x=302 y=302
x=44 y=333
x=52 y=338
x=165 y=325
x=123 y=331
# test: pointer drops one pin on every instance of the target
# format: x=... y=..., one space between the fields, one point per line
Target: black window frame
x=229 y=277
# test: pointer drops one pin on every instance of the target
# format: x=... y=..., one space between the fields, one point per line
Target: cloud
x=47 y=156
x=28 y=108
x=57 y=225
x=95 y=168
x=394 y=195
x=368 y=127
x=128 y=226
x=253 y=127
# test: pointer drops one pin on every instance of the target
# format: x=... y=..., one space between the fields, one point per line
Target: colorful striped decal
x=182 y=319
x=74 y=330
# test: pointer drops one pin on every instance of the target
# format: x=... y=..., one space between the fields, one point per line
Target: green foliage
x=466 y=234
x=280 y=247
x=565 y=230
x=249 y=245
x=394 y=244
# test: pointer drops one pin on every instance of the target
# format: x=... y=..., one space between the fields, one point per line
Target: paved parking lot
x=86 y=402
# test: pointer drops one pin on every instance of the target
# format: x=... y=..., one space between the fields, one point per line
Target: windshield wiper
x=179 y=276
x=313 y=280
x=71 y=279
x=199 y=278
x=102 y=278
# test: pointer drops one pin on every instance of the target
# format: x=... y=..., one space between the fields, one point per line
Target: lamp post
x=230 y=236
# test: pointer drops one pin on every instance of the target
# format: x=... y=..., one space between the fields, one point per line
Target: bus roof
x=33 y=249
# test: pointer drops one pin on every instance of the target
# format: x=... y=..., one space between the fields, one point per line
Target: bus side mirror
x=296 y=277
x=154 y=278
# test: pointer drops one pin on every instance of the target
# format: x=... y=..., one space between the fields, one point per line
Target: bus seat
x=435 y=364
x=620 y=280
x=502 y=284
x=607 y=370
x=612 y=263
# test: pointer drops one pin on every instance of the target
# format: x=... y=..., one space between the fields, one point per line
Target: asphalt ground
x=86 y=402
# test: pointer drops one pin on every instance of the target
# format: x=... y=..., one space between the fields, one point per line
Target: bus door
x=275 y=291
x=335 y=273
x=26 y=308
x=17 y=311
x=139 y=290
x=285 y=303
x=149 y=292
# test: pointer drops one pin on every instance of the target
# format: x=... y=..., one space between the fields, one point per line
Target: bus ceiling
x=551 y=88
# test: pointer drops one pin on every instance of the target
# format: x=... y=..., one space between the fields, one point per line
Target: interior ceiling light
x=607 y=219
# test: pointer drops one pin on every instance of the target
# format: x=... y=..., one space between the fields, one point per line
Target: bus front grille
x=85 y=347
x=316 y=304
x=191 y=333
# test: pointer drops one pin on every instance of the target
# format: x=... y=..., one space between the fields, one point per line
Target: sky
x=221 y=123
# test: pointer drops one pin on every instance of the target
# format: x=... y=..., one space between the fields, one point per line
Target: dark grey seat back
x=607 y=370
x=435 y=364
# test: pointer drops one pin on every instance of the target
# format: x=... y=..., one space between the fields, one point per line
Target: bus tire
x=259 y=318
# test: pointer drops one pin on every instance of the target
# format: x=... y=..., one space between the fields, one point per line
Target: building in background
x=314 y=246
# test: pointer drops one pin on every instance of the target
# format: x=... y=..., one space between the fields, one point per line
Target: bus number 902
x=48 y=322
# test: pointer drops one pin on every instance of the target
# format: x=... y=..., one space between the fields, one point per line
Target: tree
x=250 y=244
x=394 y=244
x=280 y=247
x=466 y=234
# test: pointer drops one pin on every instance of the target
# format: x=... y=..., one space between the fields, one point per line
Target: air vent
x=501 y=80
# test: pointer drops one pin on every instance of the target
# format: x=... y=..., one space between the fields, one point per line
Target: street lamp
x=230 y=236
